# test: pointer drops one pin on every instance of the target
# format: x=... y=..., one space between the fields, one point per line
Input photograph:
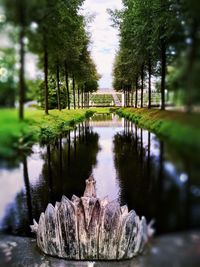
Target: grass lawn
x=37 y=126
x=179 y=128
x=11 y=130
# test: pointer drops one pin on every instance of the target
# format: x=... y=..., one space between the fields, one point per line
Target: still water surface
x=129 y=164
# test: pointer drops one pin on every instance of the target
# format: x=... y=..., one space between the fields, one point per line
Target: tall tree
x=148 y=34
x=19 y=14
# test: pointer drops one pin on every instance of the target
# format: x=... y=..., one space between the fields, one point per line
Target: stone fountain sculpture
x=89 y=228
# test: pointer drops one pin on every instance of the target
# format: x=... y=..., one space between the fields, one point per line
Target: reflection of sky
x=12 y=181
x=104 y=172
x=178 y=178
x=35 y=164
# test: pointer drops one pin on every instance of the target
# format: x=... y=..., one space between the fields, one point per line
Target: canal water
x=129 y=164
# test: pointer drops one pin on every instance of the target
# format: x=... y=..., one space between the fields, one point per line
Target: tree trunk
x=69 y=150
x=78 y=97
x=191 y=60
x=21 y=74
x=28 y=189
x=46 y=87
x=86 y=105
x=124 y=97
x=58 y=86
x=142 y=85
x=136 y=92
x=149 y=158
x=149 y=87
x=67 y=86
x=74 y=94
x=163 y=73
x=82 y=97
x=49 y=168
x=60 y=163
x=128 y=95
x=132 y=95
x=85 y=98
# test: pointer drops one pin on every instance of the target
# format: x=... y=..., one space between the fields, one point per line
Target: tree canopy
x=56 y=32
x=156 y=35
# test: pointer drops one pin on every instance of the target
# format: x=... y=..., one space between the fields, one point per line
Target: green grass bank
x=37 y=127
x=179 y=128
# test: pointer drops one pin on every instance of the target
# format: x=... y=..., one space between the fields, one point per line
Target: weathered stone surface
x=66 y=215
x=127 y=236
x=109 y=231
x=178 y=249
x=88 y=228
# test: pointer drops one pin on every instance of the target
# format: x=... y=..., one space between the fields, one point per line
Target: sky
x=104 y=37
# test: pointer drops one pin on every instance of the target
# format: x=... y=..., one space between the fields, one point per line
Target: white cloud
x=104 y=37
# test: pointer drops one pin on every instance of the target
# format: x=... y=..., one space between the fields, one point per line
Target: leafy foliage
x=56 y=32
x=7 y=77
x=154 y=36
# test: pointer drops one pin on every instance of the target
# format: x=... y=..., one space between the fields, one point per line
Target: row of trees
x=158 y=38
x=55 y=31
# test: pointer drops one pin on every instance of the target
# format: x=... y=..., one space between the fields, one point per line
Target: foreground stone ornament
x=88 y=228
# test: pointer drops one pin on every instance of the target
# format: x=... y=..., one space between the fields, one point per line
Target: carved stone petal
x=93 y=231
x=141 y=237
x=133 y=236
x=89 y=210
x=144 y=233
x=66 y=215
x=74 y=199
x=52 y=234
x=41 y=234
x=110 y=222
x=124 y=210
x=126 y=235
x=88 y=205
x=82 y=232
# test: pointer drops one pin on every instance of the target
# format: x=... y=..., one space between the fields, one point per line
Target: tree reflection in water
x=144 y=172
x=67 y=164
x=151 y=184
